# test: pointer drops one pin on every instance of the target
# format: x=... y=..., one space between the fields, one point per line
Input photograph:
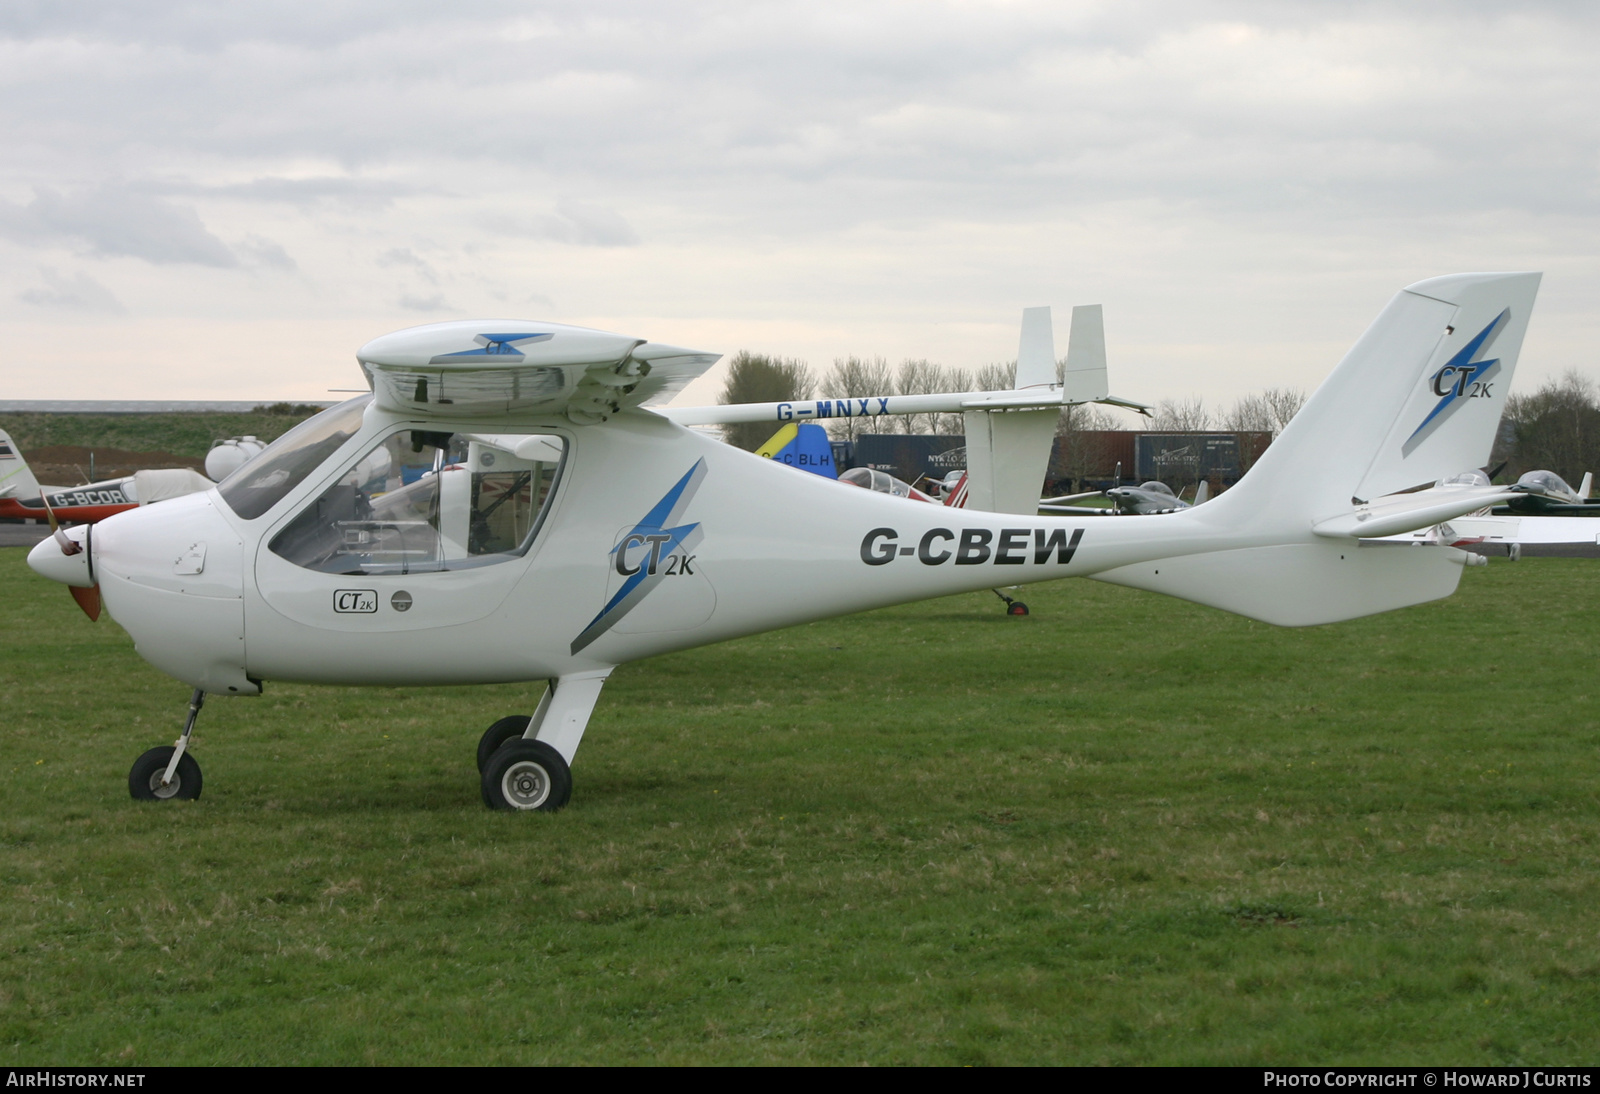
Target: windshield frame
x=273 y=539
x=297 y=455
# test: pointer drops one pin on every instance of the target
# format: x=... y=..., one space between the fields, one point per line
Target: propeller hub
x=49 y=558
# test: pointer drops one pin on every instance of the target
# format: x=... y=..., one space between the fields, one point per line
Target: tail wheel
x=1016 y=607
x=526 y=776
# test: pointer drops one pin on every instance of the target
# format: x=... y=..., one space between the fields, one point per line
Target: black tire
x=144 y=780
x=1016 y=607
x=526 y=776
x=498 y=734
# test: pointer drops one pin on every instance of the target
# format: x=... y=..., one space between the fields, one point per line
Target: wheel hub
x=165 y=792
x=526 y=785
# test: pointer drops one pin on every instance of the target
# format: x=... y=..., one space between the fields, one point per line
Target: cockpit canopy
x=423 y=501
x=881 y=481
x=1466 y=478
x=1549 y=484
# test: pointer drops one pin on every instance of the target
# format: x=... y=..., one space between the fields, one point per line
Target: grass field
x=184 y=434
x=1123 y=830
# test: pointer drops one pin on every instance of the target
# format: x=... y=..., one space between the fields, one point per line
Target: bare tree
x=856 y=377
x=1249 y=414
x=1182 y=415
x=952 y=378
x=1078 y=451
x=1267 y=412
x=756 y=378
x=1283 y=403
x=1556 y=428
x=996 y=377
x=919 y=377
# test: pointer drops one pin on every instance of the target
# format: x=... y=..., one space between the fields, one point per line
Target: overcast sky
x=225 y=201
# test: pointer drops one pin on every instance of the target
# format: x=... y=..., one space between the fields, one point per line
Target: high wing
x=499 y=367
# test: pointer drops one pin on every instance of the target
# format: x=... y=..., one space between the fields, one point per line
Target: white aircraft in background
x=21 y=496
x=1544 y=516
x=1146 y=499
x=564 y=528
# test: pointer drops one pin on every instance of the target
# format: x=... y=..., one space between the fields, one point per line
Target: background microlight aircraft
x=1544 y=516
x=21 y=496
x=561 y=528
x=1145 y=499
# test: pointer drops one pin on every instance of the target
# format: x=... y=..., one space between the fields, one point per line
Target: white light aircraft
x=502 y=507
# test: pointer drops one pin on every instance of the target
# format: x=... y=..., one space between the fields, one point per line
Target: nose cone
x=49 y=558
x=172 y=575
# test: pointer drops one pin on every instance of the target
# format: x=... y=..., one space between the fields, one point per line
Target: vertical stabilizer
x=16 y=481
x=1036 y=351
x=1008 y=451
x=1449 y=417
x=1417 y=398
x=1085 y=377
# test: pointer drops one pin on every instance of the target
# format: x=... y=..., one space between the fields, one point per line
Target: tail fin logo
x=1460 y=379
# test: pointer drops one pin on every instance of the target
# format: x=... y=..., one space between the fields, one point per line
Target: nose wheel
x=145 y=779
x=169 y=773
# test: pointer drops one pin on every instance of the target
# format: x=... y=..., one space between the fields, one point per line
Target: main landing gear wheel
x=144 y=781
x=498 y=734
x=523 y=776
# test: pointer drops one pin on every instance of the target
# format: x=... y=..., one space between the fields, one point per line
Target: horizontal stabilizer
x=1407 y=512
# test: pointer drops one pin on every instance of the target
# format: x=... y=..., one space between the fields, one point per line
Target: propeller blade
x=88 y=599
x=58 y=533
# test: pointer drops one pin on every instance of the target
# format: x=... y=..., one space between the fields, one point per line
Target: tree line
x=1556 y=427
x=757 y=378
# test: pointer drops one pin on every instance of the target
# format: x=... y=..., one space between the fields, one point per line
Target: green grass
x=1123 y=830
x=182 y=434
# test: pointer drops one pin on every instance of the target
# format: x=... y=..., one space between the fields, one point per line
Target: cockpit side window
x=423 y=501
x=261 y=483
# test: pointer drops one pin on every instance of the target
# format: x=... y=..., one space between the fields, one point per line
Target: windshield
x=422 y=501
x=262 y=482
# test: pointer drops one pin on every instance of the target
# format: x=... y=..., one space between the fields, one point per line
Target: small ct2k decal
x=974 y=547
x=355 y=601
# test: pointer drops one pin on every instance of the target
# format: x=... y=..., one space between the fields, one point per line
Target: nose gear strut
x=164 y=773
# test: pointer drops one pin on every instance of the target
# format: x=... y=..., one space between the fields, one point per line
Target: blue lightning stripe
x=494 y=345
x=666 y=511
x=1460 y=361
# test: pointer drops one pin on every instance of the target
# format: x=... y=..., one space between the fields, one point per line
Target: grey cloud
x=434 y=303
x=366 y=193
x=582 y=223
x=76 y=292
x=114 y=221
x=793 y=118
x=811 y=114
x=260 y=251
x=409 y=259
